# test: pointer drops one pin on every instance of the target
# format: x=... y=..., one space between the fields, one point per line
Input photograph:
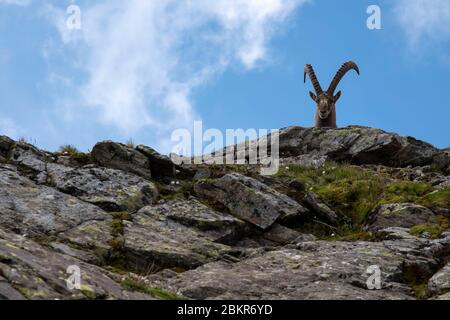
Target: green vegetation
x=134 y=285
x=74 y=154
x=421 y=291
x=117 y=255
x=431 y=231
x=439 y=198
x=355 y=191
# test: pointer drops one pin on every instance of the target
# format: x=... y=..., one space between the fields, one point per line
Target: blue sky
x=140 y=69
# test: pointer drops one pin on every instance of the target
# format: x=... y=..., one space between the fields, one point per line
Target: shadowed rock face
x=139 y=229
x=118 y=156
x=160 y=165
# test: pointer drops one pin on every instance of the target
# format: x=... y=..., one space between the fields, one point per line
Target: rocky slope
x=139 y=227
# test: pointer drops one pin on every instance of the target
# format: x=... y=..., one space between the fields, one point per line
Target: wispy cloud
x=143 y=59
x=424 y=20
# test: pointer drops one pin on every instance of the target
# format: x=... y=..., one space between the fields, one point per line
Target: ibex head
x=326 y=101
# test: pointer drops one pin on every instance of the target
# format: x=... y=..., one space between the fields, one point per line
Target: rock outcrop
x=119 y=156
x=361 y=145
x=345 y=202
x=249 y=199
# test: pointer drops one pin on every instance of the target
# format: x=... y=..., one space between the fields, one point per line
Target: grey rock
x=329 y=271
x=112 y=190
x=360 y=145
x=31 y=161
x=41 y=273
x=202 y=174
x=422 y=256
x=440 y=282
x=280 y=234
x=83 y=255
x=306 y=160
x=119 y=156
x=404 y=215
x=6 y=144
x=180 y=234
x=445 y=296
x=317 y=206
x=33 y=209
x=249 y=199
x=192 y=213
x=88 y=235
x=7 y=292
x=160 y=165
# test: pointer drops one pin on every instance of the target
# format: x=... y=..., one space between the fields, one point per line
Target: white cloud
x=143 y=59
x=424 y=20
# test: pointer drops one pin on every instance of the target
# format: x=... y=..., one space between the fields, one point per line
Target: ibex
x=326 y=101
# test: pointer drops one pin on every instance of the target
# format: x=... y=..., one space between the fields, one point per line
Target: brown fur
x=326 y=101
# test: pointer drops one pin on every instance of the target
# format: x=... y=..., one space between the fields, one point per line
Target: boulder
x=119 y=156
x=404 y=215
x=112 y=190
x=249 y=199
x=440 y=282
x=34 y=209
x=160 y=165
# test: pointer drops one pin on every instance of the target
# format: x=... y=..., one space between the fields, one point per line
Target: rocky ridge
x=140 y=227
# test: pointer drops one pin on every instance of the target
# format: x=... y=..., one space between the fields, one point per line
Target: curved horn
x=346 y=67
x=312 y=75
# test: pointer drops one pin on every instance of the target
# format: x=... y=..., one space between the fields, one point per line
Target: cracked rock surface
x=345 y=202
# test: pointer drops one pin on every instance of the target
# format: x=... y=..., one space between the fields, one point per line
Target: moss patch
x=181 y=191
x=432 y=231
x=159 y=293
x=117 y=254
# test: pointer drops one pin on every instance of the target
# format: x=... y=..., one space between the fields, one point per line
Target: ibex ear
x=337 y=96
x=313 y=96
